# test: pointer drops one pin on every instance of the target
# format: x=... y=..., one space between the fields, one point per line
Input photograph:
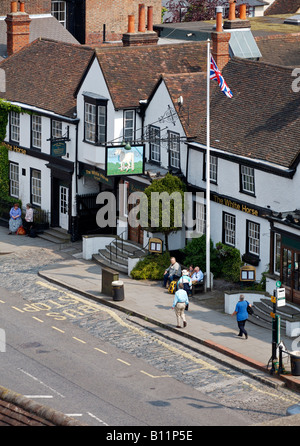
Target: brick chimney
x=220 y=42
x=18 y=24
x=233 y=22
x=142 y=37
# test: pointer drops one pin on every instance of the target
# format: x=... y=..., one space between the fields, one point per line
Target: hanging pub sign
x=58 y=148
x=121 y=160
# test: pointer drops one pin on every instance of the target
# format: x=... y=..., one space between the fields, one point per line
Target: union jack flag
x=215 y=73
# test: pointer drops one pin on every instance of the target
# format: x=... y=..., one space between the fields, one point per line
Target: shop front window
x=287 y=267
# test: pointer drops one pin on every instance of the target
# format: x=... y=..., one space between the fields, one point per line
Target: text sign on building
x=58 y=148
x=280 y=295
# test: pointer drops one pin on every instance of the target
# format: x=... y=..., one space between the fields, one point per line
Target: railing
x=40 y=216
x=119 y=244
x=116 y=241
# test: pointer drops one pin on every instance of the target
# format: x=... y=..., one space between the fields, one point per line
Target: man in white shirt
x=197 y=275
x=180 y=302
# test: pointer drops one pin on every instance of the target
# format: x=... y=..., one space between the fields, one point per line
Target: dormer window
x=95 y=119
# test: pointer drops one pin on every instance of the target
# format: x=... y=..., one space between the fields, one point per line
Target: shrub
x=230 y=260
x=151 y=267
x=195 y=254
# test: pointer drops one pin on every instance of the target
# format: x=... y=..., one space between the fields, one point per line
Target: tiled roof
x=192 y=88
x=280 y=49
x=18 y=410
x=283 y=7
x=12 y=415
x=131 y=73
x=262 y=120
x=40 y=26
x=45 y=74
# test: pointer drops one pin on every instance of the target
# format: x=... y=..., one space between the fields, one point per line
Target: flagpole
x=208 y=168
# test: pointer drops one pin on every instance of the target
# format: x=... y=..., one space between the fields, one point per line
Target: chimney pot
x=142 y=25
x=22 y=7
x=131 y=23
x=219 y=19
x=231 y=15
x=243 y=15
x=14 y=6
x=150 y=18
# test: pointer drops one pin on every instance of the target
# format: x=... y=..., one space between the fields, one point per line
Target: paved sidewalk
x=212 y=329
x=152 y=303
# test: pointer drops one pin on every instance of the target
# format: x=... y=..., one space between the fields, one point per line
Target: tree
x=165 y=205
x=196 y=10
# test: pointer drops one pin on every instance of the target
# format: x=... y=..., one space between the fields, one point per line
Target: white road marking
x=98 y=419
x=41 y=382
x=38 y=396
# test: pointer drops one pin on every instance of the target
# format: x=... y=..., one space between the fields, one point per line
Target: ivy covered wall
x=5 y=108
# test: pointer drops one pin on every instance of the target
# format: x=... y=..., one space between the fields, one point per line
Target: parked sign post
x=278 y=300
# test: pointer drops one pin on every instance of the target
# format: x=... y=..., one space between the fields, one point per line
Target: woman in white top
x=28 y=223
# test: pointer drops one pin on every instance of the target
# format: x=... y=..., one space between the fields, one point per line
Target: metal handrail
x=119 y=238
x=116 y=240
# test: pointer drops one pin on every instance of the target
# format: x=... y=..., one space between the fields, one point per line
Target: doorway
x=64 y=207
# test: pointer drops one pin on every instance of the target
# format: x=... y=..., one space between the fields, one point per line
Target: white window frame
x=174 y=150
x=247 y=179
x=200 y=218
x=90 y=122
x=59 y=11
x=154 y=143
x=56 y=129
x=253 y=232
x=15 y=126
x=229 y=221
x=14 y=184
x=102 y=110
x=36 y=131
x=36 y=187
x=213 y=169
x=129 y=127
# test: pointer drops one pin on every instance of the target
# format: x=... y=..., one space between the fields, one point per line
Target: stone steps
x=56 y=235
x=262 y=310
x=117 y=253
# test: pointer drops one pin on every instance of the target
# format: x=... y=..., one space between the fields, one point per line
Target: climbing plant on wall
x=5 y=108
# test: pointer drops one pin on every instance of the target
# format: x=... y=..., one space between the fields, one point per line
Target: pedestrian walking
x=180 y=302
x=241 y=315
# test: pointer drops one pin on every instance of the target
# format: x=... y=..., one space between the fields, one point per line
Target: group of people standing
x=15 y=220
x=185 y=280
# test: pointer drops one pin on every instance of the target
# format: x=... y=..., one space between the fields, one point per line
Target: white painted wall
x=271 y=192
x=156 y=108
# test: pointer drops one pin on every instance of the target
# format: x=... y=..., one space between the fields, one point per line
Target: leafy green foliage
x=195 y=254
x=5 y=108
x=4 y=172
x=151 y=267
x=230 y=259
x=225 y=261
x=161 y=217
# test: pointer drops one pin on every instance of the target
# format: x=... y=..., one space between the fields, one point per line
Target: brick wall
x=220 y=48
x=114 y=14
x=31 y=6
